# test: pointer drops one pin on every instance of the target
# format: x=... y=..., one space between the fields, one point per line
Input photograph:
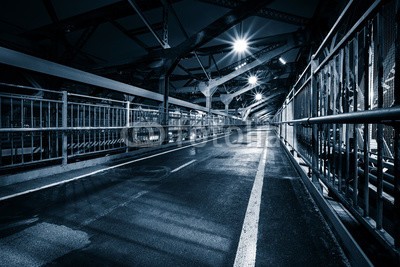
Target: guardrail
x=46 y=126
x=342 y=117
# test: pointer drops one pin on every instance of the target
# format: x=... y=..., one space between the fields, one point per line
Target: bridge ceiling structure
x=139 y=42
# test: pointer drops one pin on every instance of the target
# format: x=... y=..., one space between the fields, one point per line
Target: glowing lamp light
x=252 y=80
x=258 y=97
x=240 y=45
x=281 y=60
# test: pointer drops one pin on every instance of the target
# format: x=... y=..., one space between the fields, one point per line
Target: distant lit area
x=252 y=80
x=258 y=97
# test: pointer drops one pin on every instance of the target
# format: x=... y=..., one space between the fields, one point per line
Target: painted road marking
x=247 y=248
x=102 y=170
x=183 y=166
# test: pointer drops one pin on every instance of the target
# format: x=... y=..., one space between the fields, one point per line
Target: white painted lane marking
x=247 y=248
x=102 y=170
x=183 y=166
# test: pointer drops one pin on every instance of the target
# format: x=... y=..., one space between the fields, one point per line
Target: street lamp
x=252 y=80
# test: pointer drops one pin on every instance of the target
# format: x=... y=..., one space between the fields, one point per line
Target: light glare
x=252 y=80
x=281 y=60
x=258 y=97
x=240 y=45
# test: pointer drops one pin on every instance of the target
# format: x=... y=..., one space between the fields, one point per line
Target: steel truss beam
x=227 y=98
x=257 y=105
x=172 y=56
x=274 y=51
x=24 y=61
x=147 y=23
x=94 y=17
x=263 y=12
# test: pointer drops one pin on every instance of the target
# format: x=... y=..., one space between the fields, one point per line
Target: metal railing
x=39 y=126
x=342 y=117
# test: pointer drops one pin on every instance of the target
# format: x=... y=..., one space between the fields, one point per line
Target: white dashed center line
x=183 y=166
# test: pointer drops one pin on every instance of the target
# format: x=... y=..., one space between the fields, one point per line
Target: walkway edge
x=357 y=257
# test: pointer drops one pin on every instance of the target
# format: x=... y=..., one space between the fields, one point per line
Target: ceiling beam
x=50 y=10
x=263 y=12
x=147 y=23
x=257 y=105
x=219 y=26
x=274 y=51
x=24 y=61
x=203 y=99
x=90 y=18
x=227 y=98
x=171 y=57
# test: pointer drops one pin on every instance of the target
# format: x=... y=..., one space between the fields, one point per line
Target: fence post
x=396 y=208
x=314 y=113
x=64 y=121
x=128 y=124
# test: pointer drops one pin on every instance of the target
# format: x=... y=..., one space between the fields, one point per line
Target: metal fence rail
x=42 y=126
x=342 y=117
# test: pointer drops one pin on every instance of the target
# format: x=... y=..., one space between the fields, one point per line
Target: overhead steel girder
x=264 y=117
x=147 y=23
x=263 y=12
x=258 y=105
x=275 y=51
x=171 y=57
x=94 y=17
x=20 y=60
x=203 y=99
x=258 y=42
x=261 y=113
x=222 y=24
x=227 y=98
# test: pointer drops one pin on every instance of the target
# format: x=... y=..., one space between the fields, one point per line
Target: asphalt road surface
x=189 y=207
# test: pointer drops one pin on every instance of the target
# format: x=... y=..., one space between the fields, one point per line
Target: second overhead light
x=252 y=80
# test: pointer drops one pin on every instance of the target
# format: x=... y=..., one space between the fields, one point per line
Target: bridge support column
x=164 y=89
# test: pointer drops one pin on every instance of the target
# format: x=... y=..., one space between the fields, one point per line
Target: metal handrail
x=349 y=34
x=384 y=115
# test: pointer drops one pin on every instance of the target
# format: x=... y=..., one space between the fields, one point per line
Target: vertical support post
x=314 y=136
x=333 y=91
x=128 y=123
x=346 y=107
x=164 y=89
x=208 y=103
x=227 y=115
x=340 y=127
x=286 y=119
x=396 y=206
x=366 y=59
x=165 y=23
x=355 y=128
x=64 y=121
x=379 y=137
